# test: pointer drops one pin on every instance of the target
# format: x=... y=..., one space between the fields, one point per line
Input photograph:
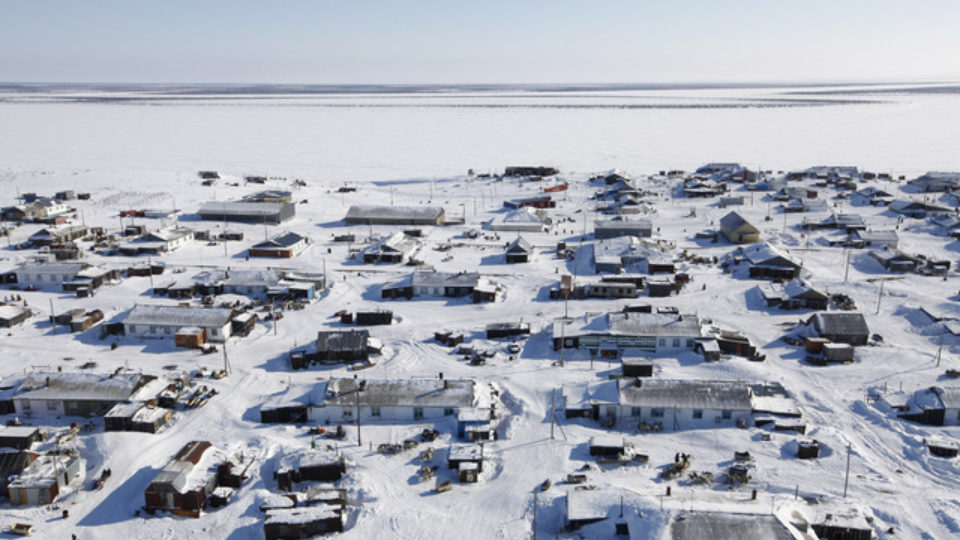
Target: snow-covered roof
x=300 y=515
x=525 y=218
x=843 y=324
x=79 y=386
x=64 y=268
x=686 y=394
x=877 y=236
x=10 y=312
x=430 y=278
x=265 y=209
x=465 y=452
x=402 y=392
x=163 y=315
x=733 y=221
x=631 y=324
x=764 y=252
x=43 y=471
x=394 y=212
x=285 y=240
x=713 y=525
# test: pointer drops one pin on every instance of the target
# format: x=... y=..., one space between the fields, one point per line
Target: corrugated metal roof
x=161 y=315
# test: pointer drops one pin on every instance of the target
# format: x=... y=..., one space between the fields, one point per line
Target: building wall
x=679 y=419
x=335 y=414
x=213 y=334
x=43 y=280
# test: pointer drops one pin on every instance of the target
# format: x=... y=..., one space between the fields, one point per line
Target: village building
x=45 y=478
x=934 y=406
x=702 y=188
x=843 y=222
x=57 y=235
x=433 y=284
x=248 y=212
x=613 y=228
x=389 y=400
x=541 y=201
x=937 y=181
x=849 y=328
x=519 y=251
x=874 y=196
x=398 y=248
x=40 y=209
x=918 y=210
x=342 y=345
x=269 y=196
x=795 y=294
x=520 y=220
x=163 y=321
x=394 y=215
x=158 y=242
x=767 y=261
x=302 y=522
x=182 y=486
x=895 y=260
x=80 y=394
x=11 y=316
x=737 y=230
x=283 y=246
x=526 y=170
x=875 y=239
x=676 y=404
x=48 y=275
x=136 y=416
x=19 y=437
x=631 y=254
x=619 y=331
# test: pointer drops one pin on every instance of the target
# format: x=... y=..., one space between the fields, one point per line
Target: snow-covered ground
x=415 y=150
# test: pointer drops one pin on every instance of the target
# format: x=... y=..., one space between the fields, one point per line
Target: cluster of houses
x=627 y=255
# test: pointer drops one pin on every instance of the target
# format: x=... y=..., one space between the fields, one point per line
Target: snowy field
x=143 y=150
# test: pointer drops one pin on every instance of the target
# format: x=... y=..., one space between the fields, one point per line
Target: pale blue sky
x=451 y=41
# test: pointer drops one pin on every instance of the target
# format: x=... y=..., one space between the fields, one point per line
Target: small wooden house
x=519 y=251
x=738 y=230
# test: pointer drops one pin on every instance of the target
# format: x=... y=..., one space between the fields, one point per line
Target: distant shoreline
x=314 y=89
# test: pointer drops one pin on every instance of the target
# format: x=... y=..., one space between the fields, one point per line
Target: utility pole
x=846 y=272
x=880 y=296
x=846 y=479
x=359 y=383
x=553 y=408
x=226 y=363
x=940 y=348
x=563 y=340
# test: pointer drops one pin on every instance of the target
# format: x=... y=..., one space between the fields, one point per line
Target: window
x=634 y=411
x=690 y=343
x=375 y=411
x=166 y=330
x=153 y=329
x=51 y=405
x=348 y=413
x=133 y=328
x=656 y=412
x=417 y=413
x=448 y=411
x=726 y=415
x=214 y=332
x=676 y=342
x=698 y=413
x=25 y=405
x=611 y=412
x=663 y=342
